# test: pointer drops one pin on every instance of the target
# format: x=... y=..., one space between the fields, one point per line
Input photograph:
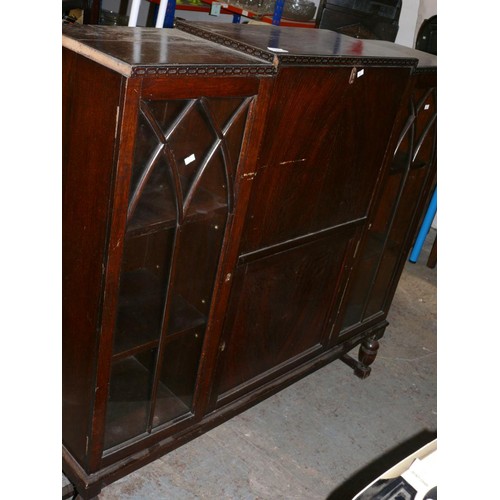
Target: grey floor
x=326 y=436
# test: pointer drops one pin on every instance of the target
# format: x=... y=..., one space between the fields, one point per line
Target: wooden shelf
x=183 y=316
x=140 y=313
x=128 y=406
x=374 y=244
x=157 y=212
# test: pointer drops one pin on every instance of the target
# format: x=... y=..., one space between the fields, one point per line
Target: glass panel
x=166 y=113
x=379 y=261
x=191 y=294
x=146 y=143
x=129 y=398
x=425 y=135
x=177 y=214
x=178 y=376
x=210 y=193
x=223 y=110
x=152 y=199
x=396 y=239
x=143 y=283
x=191 y=142
x=369 y=260
x=155 y=207
x=195 y=269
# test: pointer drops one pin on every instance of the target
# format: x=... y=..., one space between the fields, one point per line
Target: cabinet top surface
x=306 y=46
x=143 y=51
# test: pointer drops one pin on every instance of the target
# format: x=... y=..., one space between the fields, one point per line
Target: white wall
x=427 y=9
x=413 y=12
x=408 y=22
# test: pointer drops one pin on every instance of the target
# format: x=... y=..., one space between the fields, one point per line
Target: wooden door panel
x=322 y=152
x=278 y=311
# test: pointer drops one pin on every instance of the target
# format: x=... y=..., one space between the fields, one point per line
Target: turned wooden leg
x=366 y=356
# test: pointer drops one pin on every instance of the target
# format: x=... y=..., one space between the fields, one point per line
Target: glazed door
x=405 y=189
x=181 y=194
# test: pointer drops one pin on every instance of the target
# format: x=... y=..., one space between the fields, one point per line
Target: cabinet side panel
x=90 y=98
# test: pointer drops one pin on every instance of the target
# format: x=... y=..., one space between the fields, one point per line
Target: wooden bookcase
x=233 y=220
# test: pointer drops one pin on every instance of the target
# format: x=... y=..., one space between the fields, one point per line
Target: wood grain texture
x=150 y=52
x=90 y=94
x=322 y=152
x=279 y=310
x=294 y=157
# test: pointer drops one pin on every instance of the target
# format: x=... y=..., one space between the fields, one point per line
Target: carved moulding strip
x=145 y=71
x=227 y=42
x=296 y=59
x=345 y=61
x=426 y=69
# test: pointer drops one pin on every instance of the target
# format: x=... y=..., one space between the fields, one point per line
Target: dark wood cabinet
x=327 y=230
x=157 y=141
x=233 y=219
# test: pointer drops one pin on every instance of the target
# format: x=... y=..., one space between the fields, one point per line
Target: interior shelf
x=140 y=313
x=183 y=316
x=156 y=211
x=374 y=244
x=129 y=402
x=368 y=271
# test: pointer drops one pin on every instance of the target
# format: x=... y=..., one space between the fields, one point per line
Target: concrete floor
x=325 y=437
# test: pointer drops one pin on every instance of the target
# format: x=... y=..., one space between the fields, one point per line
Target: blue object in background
x=170 y=14
x=424 y=230
x=278 y=11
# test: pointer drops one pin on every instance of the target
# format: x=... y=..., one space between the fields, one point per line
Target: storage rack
x=236 y=11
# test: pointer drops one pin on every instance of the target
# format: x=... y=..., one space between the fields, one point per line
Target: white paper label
x=274 y=49
x=190 y=158
x=361 y=72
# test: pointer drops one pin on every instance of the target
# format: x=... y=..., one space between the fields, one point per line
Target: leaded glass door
x=411 y=169
x=181 y=193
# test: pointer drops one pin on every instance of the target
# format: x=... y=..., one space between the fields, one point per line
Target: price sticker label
x=275 y=49
x=189 y=159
